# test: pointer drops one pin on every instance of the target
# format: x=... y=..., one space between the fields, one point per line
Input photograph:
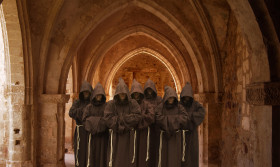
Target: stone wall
x=240 y=127
x=3 y=103
x=236 y=115
x=13 y=113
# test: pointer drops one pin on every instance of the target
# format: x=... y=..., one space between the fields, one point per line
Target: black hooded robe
x=154 y=132
x=147 y=118
x=171 y=121
x=197 y=114
x=80 y=135
x=94 y=123
x=122 y=117
x=155 y=100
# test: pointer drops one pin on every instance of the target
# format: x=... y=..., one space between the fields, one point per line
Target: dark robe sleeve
x=132 y=119
x=147 y=116
x=161 y=120
x=173 y=122
x=93 y=124
x=76 y=111
x=86 y=115
x=110 y=118
x=86 y=112
x=197 y=116
x=183 y=117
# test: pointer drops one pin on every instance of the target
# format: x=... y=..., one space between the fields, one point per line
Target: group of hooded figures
x=137 y=128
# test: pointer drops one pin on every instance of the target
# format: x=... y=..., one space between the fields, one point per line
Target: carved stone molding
x=263 y=93
x=54 y=98
x=209 y=97
x=74 y=96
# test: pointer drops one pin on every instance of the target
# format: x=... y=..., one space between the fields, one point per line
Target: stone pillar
x=51 y=127
x=264 y=98
x=210 y=129
x=28 y=130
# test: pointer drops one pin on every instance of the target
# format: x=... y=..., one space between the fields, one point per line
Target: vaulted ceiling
x=94 y=35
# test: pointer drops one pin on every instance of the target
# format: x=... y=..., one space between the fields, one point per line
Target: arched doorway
x=96 y=55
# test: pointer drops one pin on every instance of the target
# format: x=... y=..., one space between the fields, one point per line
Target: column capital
x=54 y=98
x=74 y=96
x=265 y=93
x=208 y=97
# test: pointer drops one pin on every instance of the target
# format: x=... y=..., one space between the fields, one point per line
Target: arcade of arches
x=227 y=49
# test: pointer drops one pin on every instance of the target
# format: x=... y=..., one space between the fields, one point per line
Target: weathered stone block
x=239 y=74
x=18 y=89
x=17 y=78
x=239 y=89
x=17 y=99
x=246 y=123
x=246 y=65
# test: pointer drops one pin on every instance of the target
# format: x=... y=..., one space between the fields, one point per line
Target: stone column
x=51 y=127
x=210 y=129
x=264 y=98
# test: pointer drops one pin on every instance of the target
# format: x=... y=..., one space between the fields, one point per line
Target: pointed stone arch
x=133 y=53
x=183 y=74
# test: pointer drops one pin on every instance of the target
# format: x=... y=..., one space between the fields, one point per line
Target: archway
x=66 y=55
x=139 y=52
x=220 y=45
x=80 y=44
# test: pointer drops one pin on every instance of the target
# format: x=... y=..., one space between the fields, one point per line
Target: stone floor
x=69 y=160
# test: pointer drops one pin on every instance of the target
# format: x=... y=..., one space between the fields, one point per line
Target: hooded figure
x=147 y=118
x=170 y=118
x=196 y=113
x=80 y=135
x=154 y=100
x=94 y=123
x=150 y=93
x=122 y=115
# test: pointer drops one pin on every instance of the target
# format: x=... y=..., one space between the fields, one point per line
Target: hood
x=85 y=87
x=187 y=91
x=169 y=92
x=99 y=90
x=122 y=88
x=137 y=87
x=150 y=84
